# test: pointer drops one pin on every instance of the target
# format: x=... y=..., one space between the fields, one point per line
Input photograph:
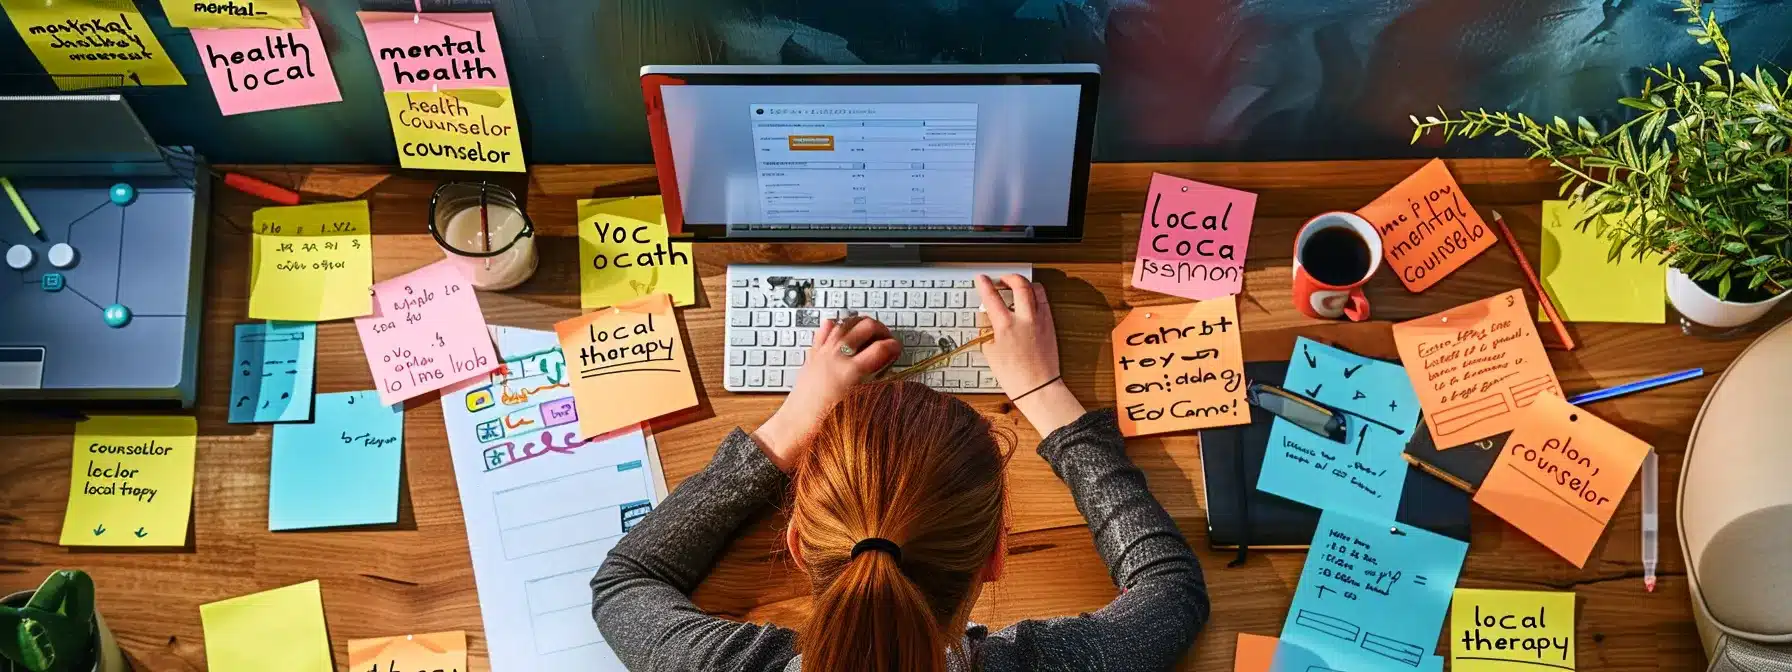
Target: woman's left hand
x=844 y=355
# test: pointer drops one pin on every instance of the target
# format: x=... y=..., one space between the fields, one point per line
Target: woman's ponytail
x=873 y=618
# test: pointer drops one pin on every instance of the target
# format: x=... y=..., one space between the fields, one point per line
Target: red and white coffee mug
x=1348 y=270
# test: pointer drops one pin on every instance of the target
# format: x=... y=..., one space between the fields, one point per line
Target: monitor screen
x=850 y=158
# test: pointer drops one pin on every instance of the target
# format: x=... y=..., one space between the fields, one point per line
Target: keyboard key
x=936 y=299
x=774 y=377
x=755 y=358
x=977 y=358
x=885 y=284
x=808 y=319
x=768 y=338
x=886 y=317
x=737 y=357
x=961 y=379
x=917 y=299
x=741 y=337
x=737 y=300
x=961 y=360
x=967 y=318
x=956 y=299
x=774 y=358
x=905 y=319
x=855 y=299
x=964 y=284
x=795 y=358
x=787 y=338
x=933 y=379
x=740 y=318
x=926 y=319
x=781 y=318
x=737 y=378
x=862 y=284
x=737 y=282
x=898 y=299
x=874 y=300
x=824 y=283
x=836 y=299
x=756 y=299
x=924 y=284
x=948 y=319
x=762 y=318
x=904 y=284
x=806 y=338
x=949 y=382
x=987 y=380
x=755 y=378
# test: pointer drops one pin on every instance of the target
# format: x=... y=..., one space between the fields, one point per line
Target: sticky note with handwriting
x=425 y=333
x=271 y=376
x=1560 y=476
x=435 y=50
x=131 y=481
x=311 y=263
x=1179 y=367
x=1509 y=630
x=628 y=364
x=625 y=253
x=433 y=652
x=459 y=129
x=1193 y=237
x=236 y=14
x=88 y=44
x=279 y=630
x=1372 y=595
x=256 y=69
x=1428 y=229
x=1586 y=284
x=1473 y=365
x=1365 y=473
x=339 y=469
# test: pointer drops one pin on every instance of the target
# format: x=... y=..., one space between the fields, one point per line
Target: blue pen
x=1636 y=386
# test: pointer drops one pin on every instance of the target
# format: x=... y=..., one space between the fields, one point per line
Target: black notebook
x=1240 y=515
x=1464 y=466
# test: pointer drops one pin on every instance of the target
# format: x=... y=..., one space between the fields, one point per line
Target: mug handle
x=1357 y=306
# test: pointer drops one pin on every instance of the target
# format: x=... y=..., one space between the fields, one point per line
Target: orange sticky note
x=1473 y=365
x=434 y=652
x=1560 y=476
x=1427 y=227
x=1255 y=652
x=627 y=364
x=1179 y=367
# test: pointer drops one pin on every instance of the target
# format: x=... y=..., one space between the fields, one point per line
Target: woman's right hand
x=1024 y=354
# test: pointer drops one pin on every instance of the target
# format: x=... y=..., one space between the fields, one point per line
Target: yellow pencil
x=18 y=203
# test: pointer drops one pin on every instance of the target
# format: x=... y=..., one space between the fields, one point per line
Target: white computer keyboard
x=773 y=312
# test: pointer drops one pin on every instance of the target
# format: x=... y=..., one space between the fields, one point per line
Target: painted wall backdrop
x=1183 y=79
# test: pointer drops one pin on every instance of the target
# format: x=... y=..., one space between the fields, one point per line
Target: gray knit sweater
x=640 y=596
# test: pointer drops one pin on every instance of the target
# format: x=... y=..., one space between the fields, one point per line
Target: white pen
x=1651 y=526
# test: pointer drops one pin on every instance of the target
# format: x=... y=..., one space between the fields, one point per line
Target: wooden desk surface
x=416 y=576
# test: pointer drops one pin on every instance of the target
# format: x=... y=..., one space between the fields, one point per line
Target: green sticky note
x=1585 y=286
x=280 y=630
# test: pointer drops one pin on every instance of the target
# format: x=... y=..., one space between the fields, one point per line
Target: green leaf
x=1734 y=247
x=1723 y=287
x=1758 y=260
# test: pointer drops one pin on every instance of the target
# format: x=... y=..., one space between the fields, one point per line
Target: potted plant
x=1700 y=175
x=56 y=629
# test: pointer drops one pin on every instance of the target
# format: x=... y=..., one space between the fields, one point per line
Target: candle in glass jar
x=502 y=224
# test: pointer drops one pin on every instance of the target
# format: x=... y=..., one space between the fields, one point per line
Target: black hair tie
x=877 y=544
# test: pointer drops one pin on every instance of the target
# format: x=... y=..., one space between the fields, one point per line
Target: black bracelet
x=1036 y=389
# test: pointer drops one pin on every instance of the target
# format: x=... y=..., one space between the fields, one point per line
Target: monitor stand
x=867 y=254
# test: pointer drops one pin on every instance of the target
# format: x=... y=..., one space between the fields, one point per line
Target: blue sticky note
x=1372 y=596
x=1364 y=474
x=271 y=376
x=339 y=469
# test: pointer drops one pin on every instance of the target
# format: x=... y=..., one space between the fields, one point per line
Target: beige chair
x=1735 y=512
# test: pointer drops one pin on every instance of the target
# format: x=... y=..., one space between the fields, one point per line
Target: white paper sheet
x=542 y=507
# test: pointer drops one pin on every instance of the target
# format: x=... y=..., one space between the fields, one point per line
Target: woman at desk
x=898 y=519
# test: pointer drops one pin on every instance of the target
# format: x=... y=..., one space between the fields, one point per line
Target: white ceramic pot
x=1695 y=304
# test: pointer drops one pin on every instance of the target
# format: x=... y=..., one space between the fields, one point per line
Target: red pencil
x=1549 y=308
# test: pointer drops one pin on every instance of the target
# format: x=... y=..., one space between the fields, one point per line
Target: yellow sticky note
x=280 y=630
x=628 y=364
x=436 y=651
x=312 y=263
x=1511 y=630
x=625 y=254
x=131 y=483
x=1585 y=286
x=90 y=44
x=462 y=129
x=234 y=13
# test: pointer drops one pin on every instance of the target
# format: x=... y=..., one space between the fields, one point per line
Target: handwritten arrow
x=1359 y=438
x=1311 y=363
x=141 y=534
x=1314 y=393
x=99 y=529
x=1352 y=370
x=1359 y=395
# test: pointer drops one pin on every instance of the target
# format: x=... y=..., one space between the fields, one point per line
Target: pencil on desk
x=18 y=203
x=1549 y=307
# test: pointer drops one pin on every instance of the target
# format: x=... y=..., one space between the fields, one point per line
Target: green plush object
x=54 y=631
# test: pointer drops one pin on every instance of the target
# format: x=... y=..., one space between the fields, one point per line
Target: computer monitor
x=873 y=154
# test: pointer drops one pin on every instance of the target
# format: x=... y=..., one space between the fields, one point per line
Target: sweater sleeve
x=640 y=597
x=1163 y=600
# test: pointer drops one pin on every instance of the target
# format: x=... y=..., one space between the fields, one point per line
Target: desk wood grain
x=416 y=576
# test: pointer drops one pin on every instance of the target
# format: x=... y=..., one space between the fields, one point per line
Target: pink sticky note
x=1192 y=239
x=435 y=50
x=425 y=333
x=256 y=69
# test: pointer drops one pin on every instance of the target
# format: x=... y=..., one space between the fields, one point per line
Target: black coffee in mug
x=1336 y=256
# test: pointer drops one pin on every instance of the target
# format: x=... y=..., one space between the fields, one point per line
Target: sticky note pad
x=436 y=651
x=1427 y=227
x=1179 y=367
x=280 y=630
x=1193 y=237
x=426 y=332
x=256 y=69
x=131 y=481
x=458 y=129
x=236 y=14
x=435 y=50
x=1254 y=653
x=87 y=44
x=339 y=469
x=1372 y=596
x=1586 y=285
x=625 y=254
x=1365 y=473
x=311 y=263
x=628 y=364
x=1473 y=365
x=1511 y=630
x=1561 y=475
x=271 y=372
